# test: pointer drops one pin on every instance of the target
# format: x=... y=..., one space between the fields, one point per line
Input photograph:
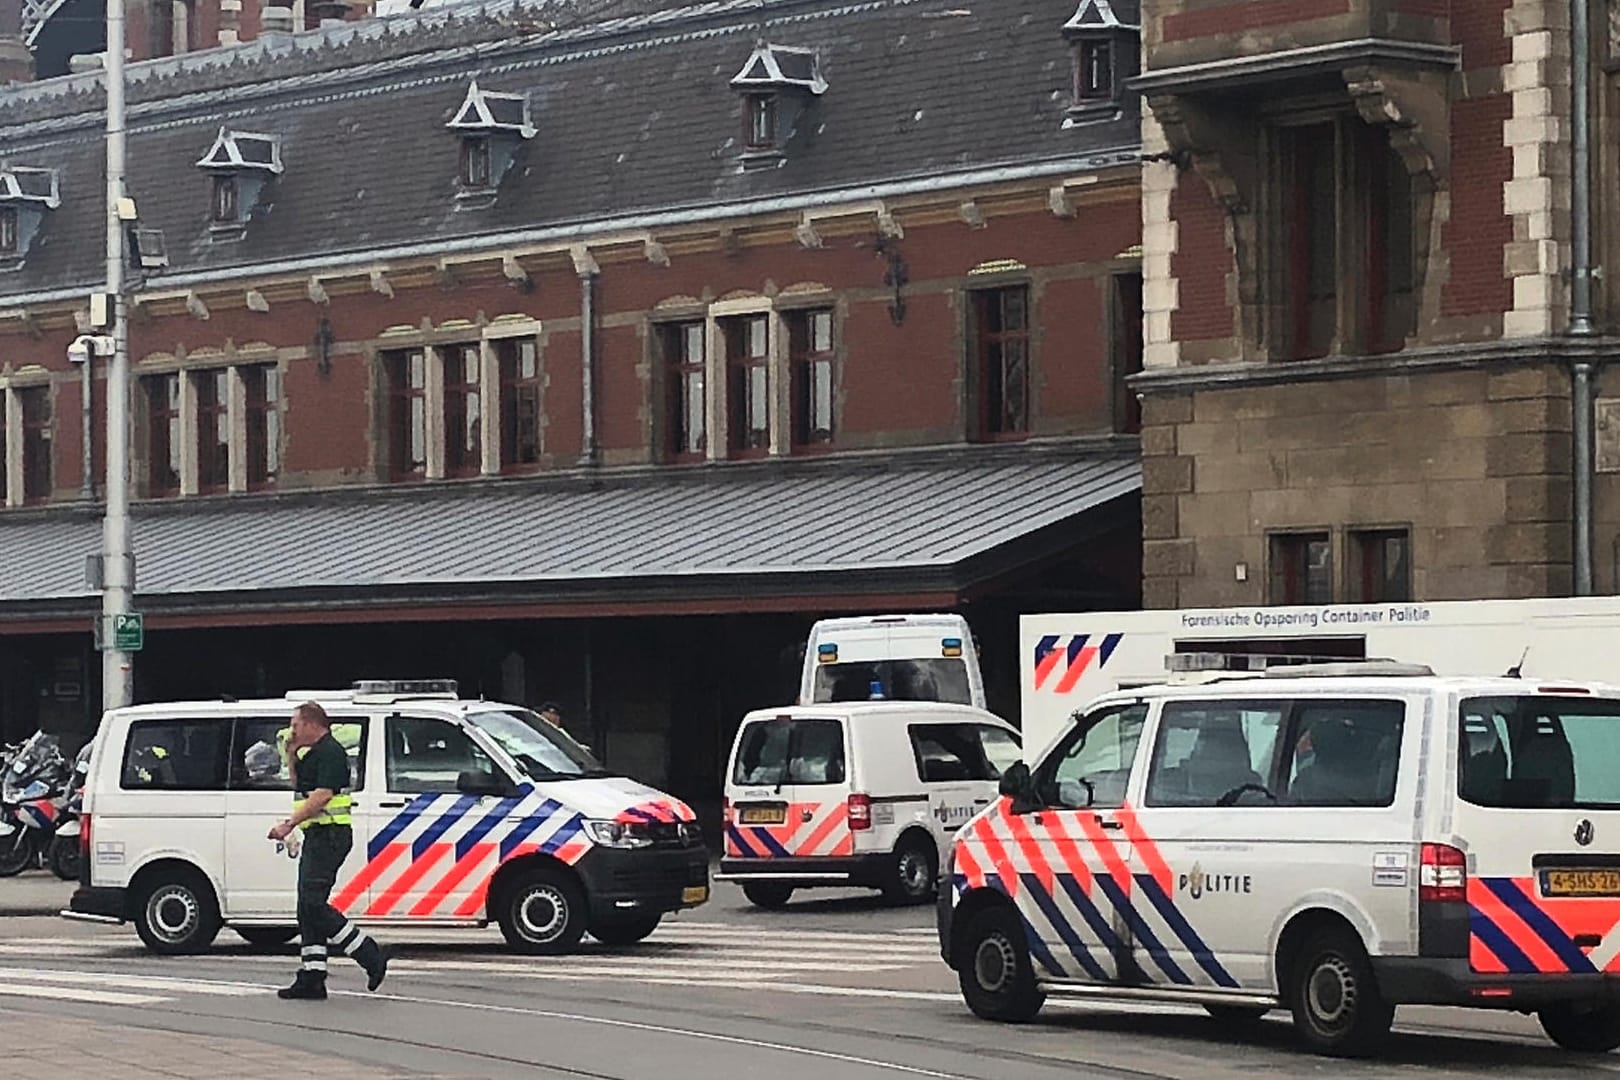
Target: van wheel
x=911 y=878
x=1237 y=1015
x=770 y=895
x=996 y=976
x=542 y=914
x=266 y=937
x=1334 y=997
x=177 y=914
x=1583 y=1026
x=626 y=931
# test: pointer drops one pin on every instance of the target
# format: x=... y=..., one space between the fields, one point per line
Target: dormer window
x=778 y=84
x=1095 y=71
x=226 y=204
x=1104 y=36
x=761 y=122
x=475 y=170
x=26 y=195
x=493 y=127
x=242 y=164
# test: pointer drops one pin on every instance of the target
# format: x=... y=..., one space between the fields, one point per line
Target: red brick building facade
x=625 y=386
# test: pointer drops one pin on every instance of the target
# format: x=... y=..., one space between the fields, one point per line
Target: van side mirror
x=478 y=782
x=1015 y=782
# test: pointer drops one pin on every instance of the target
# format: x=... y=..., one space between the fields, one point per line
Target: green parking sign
x=129 y=632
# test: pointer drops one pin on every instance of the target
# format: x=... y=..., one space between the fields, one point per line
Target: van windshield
x=786 y=751
x=1540 y=752
x=544 y=752
x=927 y=679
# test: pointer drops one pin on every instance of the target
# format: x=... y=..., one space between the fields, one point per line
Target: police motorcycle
x=63 y=854
x=33 y=791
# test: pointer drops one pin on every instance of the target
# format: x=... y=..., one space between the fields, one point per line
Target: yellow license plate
x=695 y=894
x=1580 y=882
x=762 y=815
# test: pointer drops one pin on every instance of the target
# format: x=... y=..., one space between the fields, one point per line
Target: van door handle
x=390 y=804
x=1108 y=823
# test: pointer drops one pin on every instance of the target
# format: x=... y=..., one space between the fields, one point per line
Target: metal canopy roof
x=784 y=522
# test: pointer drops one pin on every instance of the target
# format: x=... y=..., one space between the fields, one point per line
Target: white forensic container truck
x=1068 y=660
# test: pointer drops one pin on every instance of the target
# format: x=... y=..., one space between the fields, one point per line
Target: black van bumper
x=103 y=905
x=1418 y=980
x=622 y=884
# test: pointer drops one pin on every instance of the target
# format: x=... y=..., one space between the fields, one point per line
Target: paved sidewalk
x=34 y=892
x=39 y=1045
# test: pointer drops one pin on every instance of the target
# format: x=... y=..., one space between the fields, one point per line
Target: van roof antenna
x=1517 y=670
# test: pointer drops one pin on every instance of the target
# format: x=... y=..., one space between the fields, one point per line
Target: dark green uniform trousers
x=319 y=923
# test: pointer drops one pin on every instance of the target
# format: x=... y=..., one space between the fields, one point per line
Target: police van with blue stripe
x=1335 y=840
x=465 y=813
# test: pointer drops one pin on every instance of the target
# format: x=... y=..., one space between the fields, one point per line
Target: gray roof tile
x=632 y=118
x=795 y=520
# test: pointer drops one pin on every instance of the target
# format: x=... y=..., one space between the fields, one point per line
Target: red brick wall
x=1479 y=229
x=1202 y=262
x=1072 y=376
x=1478 y=26
x=564 y=388
x=622 y=395
x=1243 y=16
x=328 y=416
x=901 y=378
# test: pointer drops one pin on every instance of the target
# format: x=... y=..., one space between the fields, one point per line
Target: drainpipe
x=1580 y=307
x=87 y=414
x=587 y=349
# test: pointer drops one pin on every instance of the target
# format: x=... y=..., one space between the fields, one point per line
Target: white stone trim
x=1537 y=197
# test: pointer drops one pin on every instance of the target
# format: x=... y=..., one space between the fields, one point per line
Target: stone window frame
x=808 y=307
x=1355 y=569
x=14 y=455
x=975 y=428
x=716 y=372
x=188 y=371
x=1353 y=333
x=1124 y=406
x=435 y=345
x=1303 y=532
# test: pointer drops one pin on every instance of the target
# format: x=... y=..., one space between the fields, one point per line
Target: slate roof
x=633 y=110
x=793 y=522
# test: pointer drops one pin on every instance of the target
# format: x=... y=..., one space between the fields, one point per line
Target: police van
x=1332 y=840
x=892 y=657
x=465 y=813
x=865 y=794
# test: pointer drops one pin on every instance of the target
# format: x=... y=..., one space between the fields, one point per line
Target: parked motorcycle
x=33 y=792
x=63 y=854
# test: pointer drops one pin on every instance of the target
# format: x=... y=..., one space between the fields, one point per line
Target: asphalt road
x=836 y=986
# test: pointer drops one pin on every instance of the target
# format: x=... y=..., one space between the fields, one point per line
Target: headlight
x=616 y=834
x=690 y=833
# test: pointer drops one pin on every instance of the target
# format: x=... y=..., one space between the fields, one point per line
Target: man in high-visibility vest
x=320 y=770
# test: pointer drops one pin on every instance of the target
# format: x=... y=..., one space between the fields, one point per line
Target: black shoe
x=308 y=986
x=378 y=971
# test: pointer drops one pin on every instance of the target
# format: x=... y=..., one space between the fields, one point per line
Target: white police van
x=465 y=813
x=865 y=794
x=1334 y=840
x=892 y=657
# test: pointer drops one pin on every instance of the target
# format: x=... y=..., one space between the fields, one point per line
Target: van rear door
x=1538 y=810
x=790 y=790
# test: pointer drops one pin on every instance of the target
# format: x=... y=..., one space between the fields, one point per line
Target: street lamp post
x=117 y=676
